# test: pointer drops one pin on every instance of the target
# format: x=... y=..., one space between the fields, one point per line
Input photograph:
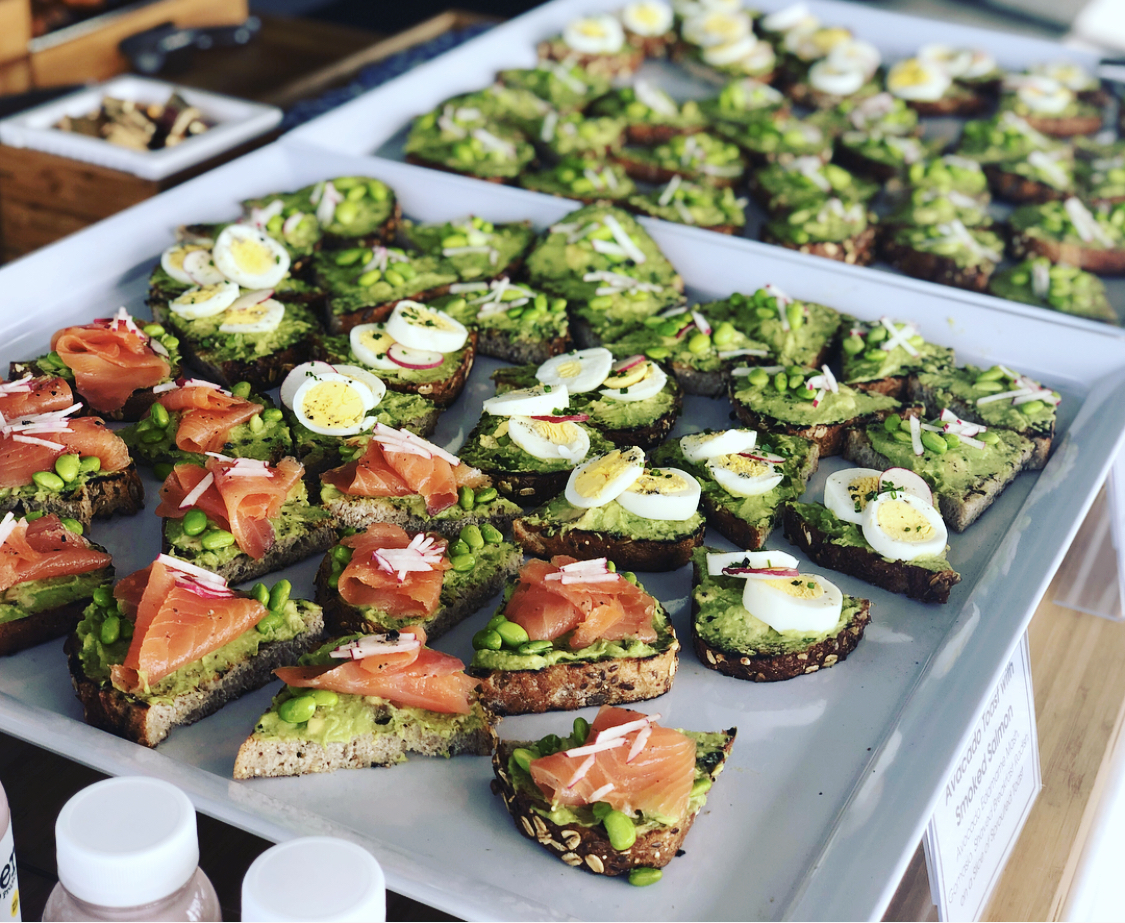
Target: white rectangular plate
x=833 y=775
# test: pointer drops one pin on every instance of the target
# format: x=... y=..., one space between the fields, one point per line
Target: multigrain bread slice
x=147 y=722
x=494 y=343
x=774 y=657
x=1100 y=260
x=1014 y=187
x=410 y=513
x=587 y=846
x=266 y=757
x=42 y=626
x=903 y=577
x=933 y=267
x=96 y=496
x=961 y=507
x=857 y=250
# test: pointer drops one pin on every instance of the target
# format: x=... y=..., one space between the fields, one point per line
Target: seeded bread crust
x=567 y=686
x=528 y=489
x=646 y=135
x=966 y=104
x=1066 y=127
x=897 y=576
x=289 y=550
x=342 y=618
x=444 y=392
x=644 y=554
x=41 y=626
x=1013 y=187
x=136 y=405
x=117 y=493
x=1105 y=262
x=1042 y=442
x=653 y=46
x=772 y=669
x=495 y=344
x=360 y=512
x=261 y=758
x=654 y=173
x=958 y=512
x=934 y=267
x=125 y=715
x=621 y=63
x=858 y=250
x=892 y=386
x=588 y=847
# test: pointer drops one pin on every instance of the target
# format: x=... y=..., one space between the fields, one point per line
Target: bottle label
x=9 y=887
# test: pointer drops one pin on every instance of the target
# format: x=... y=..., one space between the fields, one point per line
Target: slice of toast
x=862 y=561
x=147 y=720
x=770 y=656
x=934 y=267
x=1015 y=187
x=587 y=845
x=1100 y=260
x=462 y=594
x=40 y=610
x=410 y=512
x=93 y=496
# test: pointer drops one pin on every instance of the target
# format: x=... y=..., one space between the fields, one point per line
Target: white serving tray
x=833 y=776
x=235 y=121
x=377 y=121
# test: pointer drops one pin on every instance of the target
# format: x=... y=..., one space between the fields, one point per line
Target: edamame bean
x=298 y=710
x=126 y=628
x=952 y=440
x=162 y=470
x=72 y=525
x=600 y=809
x=471 y=536
x=459 y=548
x=48 y=480
x=103 y=596
x=33 y=515
x=152 y=436
x=988 y=437
x=993 y=374
x=893 y=423
x=905 y=426
x=270 y=623
x=512 y=634
x=1032 y=407
x=241 y=389
x=642 y=876
x=346 y=212
x=658 y=352
x=261 y=592
x=463 y=563
x=535 y=647
x=853 y=345
x=159 y=415
x=491 y=534
x=91 y=464
x=724 y=334
x=395 y=277
x=279 y=595
x=485 y=496
x=497 y=619
x=934 y=442
x=781 y=382
x=272 y=415
x=194 y=522
x=581 y=729
x=67 y=467
x=795 y=314
x=169 y=342
x=324 y=697
x=988 y=386
x=701 y=786
x=523 y=758
x=153 y=330
x=699 y=343
x=466 y=498
x=630 y=577
x=349 y=257
x=214 y=539
x=902 y=437
x=487 y=639
x=110 y=630
x=370 y=278
x=256 y=424
x=620 y=829
x=342 y=554
x=334 y=579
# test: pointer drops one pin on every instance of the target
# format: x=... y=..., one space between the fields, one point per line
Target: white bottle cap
x=126 y=842
x=314 y=878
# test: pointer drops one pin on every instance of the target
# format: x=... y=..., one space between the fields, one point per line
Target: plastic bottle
x=9 y=886
x=314 y=878
x=128 y=849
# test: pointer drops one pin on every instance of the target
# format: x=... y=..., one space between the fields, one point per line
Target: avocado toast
x=880 y=355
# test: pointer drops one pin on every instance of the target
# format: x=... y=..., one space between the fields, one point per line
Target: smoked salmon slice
x=397 y=463
x=42 y=549
x=585 y=598
x=32 y=443
x=240 y=495
x=645 y=767
x=29 y=395
x=401 y=670
x=394 y=571
x=110 y=359
x=180 y=613
x=208 y=414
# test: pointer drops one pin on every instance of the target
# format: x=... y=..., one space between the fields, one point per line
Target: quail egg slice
x=542 y=400
x=716 y=27
x=263 y=317
x=743 y=476
x=310 y=370
x=418 y=326
x=700 y=447
x=332 y=404
x=903 y=527
x=847 y=492
x=595 y=35
x=172 y=261
x=604 y=478
x=647 y=18
x=578 y=371
x=638 y=383
x=836 y=79
x=204 y=300
x=250 y=257
x=371 y=343
x=550 y=440
x=662 y=493
x=805 y=603
x=916 y=80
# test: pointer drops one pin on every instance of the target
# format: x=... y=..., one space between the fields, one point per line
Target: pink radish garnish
x=414 y=358
x=573 y=418
x=625 y=364
x=250 y=299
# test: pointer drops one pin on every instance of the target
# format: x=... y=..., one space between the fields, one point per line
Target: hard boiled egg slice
x=172 y=261
x=699 y=447
x=752 y=53
x=370 y=343
x=648 y=18
x=814 y=44
x=578 y=371
x=836 y=79
x=263 y=317
x=542 y=400
x=847 y=492
x=332 y=404
x=903 y=527
x=604 y=478
x=638 y=383
x=744 y=476
x=789 y=17
x=1070 y=75
x=205 y=300
x=662 y=493
x=550 y=440
x=716 y=28
x=1042 y=94
x=420 y=327
x=954 y=61
x=200 y=265
x=595 y=35
x=858 y=54
x=250 y=257
x=916 y=80
x=310 y=370
x=806 y=603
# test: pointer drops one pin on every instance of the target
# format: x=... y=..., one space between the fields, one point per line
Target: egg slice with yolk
x=604 y=478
